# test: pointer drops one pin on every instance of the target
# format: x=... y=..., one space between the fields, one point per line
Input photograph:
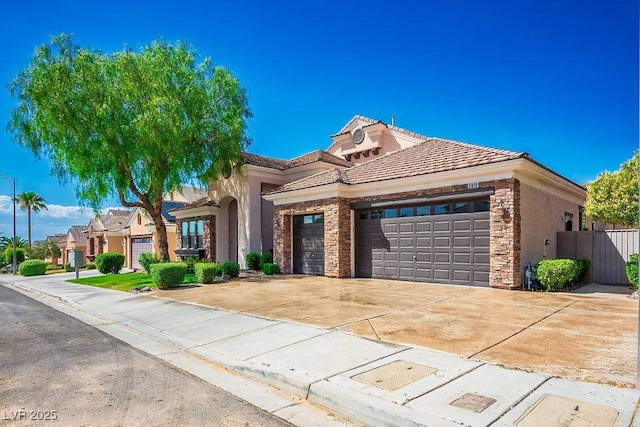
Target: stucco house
x=76 y=239
x=104 y=233
x=60 y=241
x=383 y=201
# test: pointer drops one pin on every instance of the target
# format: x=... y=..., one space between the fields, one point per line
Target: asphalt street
x=55 y=369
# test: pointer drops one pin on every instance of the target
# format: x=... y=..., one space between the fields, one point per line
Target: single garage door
x=139 y=245
x=438 y=242
x=308 y=244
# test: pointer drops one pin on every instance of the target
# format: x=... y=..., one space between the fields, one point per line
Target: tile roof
x=431 y=156
x=305 y=159
x=119 y=212
x=78 y=233
x=205 y=201
x=191 y=194
x=374 y=122
x=111 y=222
x=58 y=238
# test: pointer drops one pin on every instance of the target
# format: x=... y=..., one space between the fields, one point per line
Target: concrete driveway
x=591 y=336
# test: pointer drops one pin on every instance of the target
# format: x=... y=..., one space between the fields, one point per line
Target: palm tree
x=30 y=201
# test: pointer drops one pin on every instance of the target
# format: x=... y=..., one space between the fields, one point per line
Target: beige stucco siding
x=541 y=213
x=114 y=244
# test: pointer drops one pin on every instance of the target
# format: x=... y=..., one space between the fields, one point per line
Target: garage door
x=440 y=242
x=308 y=244
x=138 y=246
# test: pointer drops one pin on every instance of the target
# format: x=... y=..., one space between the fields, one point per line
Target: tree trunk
x=161 y=233
x=29 y=225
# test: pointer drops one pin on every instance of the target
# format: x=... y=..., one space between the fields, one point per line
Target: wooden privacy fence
x=608 y=252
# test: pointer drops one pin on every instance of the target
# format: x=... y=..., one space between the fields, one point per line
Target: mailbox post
x=77 y=260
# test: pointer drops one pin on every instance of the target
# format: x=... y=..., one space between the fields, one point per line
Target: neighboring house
x=104 y=233
x=75 y=239
x=140 y=234
x=386 y=202
x=233 y=219
x=60 y=240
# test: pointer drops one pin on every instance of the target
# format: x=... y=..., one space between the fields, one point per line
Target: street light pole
x=15 y=255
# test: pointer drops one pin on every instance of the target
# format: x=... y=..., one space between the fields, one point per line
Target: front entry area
x=308 y=244
x=438 y=242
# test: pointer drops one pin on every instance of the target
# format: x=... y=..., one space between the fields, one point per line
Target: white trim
x=194 y=212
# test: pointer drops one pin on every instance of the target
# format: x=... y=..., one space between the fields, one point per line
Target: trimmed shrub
x=632 y=270
x=68 y=268
x=167 y=275
x=231 y=269
x=207 y=271
x=253 y=261
x=54 y=267
x=109 y=262
x=33 y=267
x=270 y=268
x=90 y=266
x=265 y=258
x=8 y=255
x=556 y=274
x=191 y=261
x=146 y=259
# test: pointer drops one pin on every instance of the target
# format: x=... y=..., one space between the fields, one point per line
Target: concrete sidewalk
x=368 y=382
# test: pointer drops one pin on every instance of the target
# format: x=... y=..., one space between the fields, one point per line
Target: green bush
x=191 y=261
x=146 y=259
x=253 y=261
x=68 y=268
x=556 y=274
x=8 y=255
x=632 y=270
x=207 y=271
x=231 y=269
x=33 y=267
x=270 y=268
x=167 y=275
x=54 y=267
x=109 y=262
x=90 y=266
x=265 y=258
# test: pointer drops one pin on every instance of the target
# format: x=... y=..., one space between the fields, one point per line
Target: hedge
x=146 y=259
x=556 y=274
x=8 y=255
x=265 y=258
x=231 y=269
x=109 y=262
x=33 y=267
x=167 y=275
x=253 y=261
x=632 y=270
x=270 y=268
x=207 y=271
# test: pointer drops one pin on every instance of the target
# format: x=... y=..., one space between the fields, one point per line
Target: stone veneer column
x=505 y=231
x=282 y=239
x=209 y=237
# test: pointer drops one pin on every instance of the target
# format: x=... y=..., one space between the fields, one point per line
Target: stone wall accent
x=505 y=247
x=337 y=234
x=208 y=237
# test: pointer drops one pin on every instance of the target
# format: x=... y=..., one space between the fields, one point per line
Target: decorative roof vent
x=357 y=136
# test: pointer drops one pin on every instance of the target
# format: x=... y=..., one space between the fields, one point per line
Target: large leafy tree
x=30 y=202
x=44 y=249
x=613 y=196
x=131 y=124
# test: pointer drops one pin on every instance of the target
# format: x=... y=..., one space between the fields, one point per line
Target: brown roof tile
x=317 y=156
x=431 y=156
x=264 y=161
x=205 y=201
x=58 y=238
x=78 y=233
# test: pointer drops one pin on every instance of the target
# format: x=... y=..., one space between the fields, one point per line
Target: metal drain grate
x=395 y=375
x=473 y=402
x=557 y=410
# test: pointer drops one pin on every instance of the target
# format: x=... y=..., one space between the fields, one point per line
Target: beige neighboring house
x=60 y=240
x=104 y=233
x=75 y=239
x=386 y=202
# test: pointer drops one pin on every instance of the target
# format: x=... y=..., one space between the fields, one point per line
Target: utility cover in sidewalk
x=395 y=375
x=553 y=410
x=473 y=402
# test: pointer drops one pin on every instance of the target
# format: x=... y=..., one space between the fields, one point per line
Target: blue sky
x=557 y=79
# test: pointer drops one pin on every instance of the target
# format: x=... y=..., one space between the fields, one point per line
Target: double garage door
x=439 y=243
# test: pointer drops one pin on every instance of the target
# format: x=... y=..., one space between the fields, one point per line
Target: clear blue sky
x=558 y=79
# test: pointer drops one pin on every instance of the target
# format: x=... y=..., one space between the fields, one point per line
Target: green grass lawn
x=125 y=282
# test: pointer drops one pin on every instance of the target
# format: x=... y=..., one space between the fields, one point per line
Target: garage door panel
x=444 y=248
x=308 y=245
x=138 y=246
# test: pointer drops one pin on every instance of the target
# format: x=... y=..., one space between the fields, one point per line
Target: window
x=192 y=232
x=423 y=210
x=406 y=211
x=481 y=206
x=318 y=218
x=364 y=214
x=391 y=213
x=462 y=207
x=441 y=209
x=376 y=214
x=307 y=219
